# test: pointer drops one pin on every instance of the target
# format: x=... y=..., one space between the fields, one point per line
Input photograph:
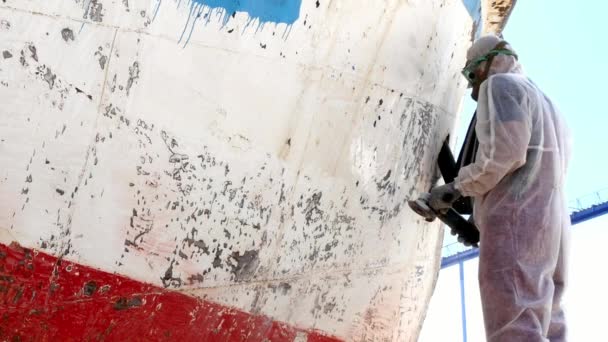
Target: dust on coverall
x=517 y=181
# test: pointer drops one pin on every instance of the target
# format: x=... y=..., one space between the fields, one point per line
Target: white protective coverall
x=517 y=182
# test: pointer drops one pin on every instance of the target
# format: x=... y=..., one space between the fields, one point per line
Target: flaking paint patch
x=93 y=10
x=33 y=64
x=49 y=78
x=89 y=288
x=101 y=57
x=190 y=175
x=5 y=25
x=67 y=34
x=245 y=265
x=166 y=176
x=127 y=303
x=133 y=76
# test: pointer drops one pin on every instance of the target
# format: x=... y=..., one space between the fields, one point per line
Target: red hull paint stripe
x=43 y=298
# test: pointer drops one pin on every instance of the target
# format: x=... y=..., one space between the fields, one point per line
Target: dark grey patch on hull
x=102 y=62
x=5 y=25
x=196 y=278
x=246 y=265
x=89 y=288
x=177 y=158
x=101 y=58
x=200 y=244
x=7 y=54
x=80 y=91
x=422 y=122
x=34 y=52
x=50 y=78
x=217 y=261
x=169 y=280
x=94 y=12
x=22 y=59
x=133 y=76
x=385 y=185
x=312 y=212
x=67 y=34
x=283 y=288
x=124 y=303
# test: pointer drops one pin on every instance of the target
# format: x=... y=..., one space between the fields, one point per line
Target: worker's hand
x=466 y=239
x=442 y=197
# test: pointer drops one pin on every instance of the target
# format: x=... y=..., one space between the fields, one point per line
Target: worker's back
x=534 y=189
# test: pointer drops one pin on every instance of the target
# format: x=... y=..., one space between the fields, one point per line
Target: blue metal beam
x=463 y=308
x=458 y=257
x=589 y=213
x=575 y=218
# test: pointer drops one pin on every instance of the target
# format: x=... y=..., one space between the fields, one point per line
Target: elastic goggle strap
x=499 y=49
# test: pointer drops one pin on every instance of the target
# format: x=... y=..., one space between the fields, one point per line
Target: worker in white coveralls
x=517 y=183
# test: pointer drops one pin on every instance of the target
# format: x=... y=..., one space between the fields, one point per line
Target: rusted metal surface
x=258 y=158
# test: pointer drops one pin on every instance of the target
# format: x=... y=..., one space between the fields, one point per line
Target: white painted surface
x=265 y=169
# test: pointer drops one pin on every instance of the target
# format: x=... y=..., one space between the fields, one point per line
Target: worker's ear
x=481 y=73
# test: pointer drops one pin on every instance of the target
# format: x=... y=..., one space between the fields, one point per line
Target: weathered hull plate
x=234 y=167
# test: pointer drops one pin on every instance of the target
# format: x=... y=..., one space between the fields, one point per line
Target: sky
x=562 y=47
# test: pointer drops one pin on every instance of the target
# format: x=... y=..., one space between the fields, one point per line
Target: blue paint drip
x=262 y=11
x=265 y=11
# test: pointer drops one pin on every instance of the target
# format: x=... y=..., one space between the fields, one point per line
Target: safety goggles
x=469 y=70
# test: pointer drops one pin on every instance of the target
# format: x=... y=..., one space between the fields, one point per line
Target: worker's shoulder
x=507 y=79
x=516 y=85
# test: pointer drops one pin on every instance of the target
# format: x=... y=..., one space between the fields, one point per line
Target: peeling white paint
x=258 y=170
